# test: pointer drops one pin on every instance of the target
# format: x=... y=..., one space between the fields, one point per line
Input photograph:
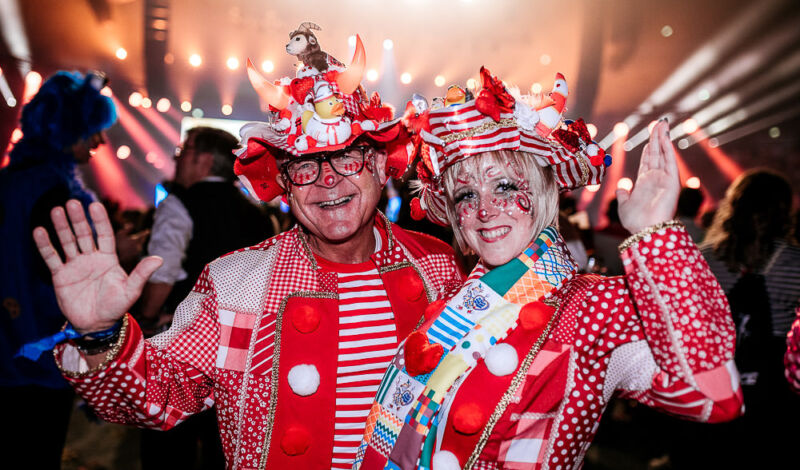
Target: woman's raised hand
x=655 y=194
x=92 y=289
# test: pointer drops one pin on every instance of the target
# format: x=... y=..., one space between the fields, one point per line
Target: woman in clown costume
x=515 y=369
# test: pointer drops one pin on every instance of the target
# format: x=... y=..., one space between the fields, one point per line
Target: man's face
x=494 y=207
x=83 y=149
x=190 y=165
x=334 y=208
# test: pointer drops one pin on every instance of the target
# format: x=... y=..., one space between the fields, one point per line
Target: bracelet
x=99 y=341
x=638 y=236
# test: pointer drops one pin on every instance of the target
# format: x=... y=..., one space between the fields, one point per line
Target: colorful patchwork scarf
x=482 y=313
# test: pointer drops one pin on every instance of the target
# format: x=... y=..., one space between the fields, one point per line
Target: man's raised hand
x=92 y=289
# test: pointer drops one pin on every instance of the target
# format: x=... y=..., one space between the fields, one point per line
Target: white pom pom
x=304 y=379
x=501 y=359
x=527 y=118
x=445 y=460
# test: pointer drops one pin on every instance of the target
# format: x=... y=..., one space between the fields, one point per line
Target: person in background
x=689 y=202
x=751 y=252
x=606 y=241
x=61 y=125
x=204 y=216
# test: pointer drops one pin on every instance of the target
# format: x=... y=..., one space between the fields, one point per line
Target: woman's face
x=493 y=203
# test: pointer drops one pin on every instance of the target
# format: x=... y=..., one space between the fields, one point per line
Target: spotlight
x=267 y=66
x=388 y=44
x=106 y=91
x=33 y=80
x=16 y=135
x=693 y=182
x=197 y=113
x=169 y=58
x=625 y=183
x=405 y=78
x=472 y=84
x=135 y=99
x=186 y=106
x=592 y=130
x=146 y=103
x=536 y=88
x=689 y=126
x=227 y=109
x=121 y=53
x=232 y=63
x=372 y=75
x=123 y=152
x=163 y=105
x=621 y=129
x=195 y=60
x=713 y=142
x=683 y=144
x=439 y=80
x=593 y=188
x=774 y=132
x=151 y=157
x=666 y=31
x=545 y=59
x=703 y=95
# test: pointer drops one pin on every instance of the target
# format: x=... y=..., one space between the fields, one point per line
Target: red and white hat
x=497 y=120
x=291 y=131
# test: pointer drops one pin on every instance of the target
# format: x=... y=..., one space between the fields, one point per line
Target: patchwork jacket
x=662 y=334
x=253 y=315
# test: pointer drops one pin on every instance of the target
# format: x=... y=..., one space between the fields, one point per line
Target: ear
x=379 y=158
x=312 y=40
x=205 y=161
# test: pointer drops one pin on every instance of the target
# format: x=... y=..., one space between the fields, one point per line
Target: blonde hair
x=541 y=181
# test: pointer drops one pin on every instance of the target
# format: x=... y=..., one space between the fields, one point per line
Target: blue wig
x=67 y=108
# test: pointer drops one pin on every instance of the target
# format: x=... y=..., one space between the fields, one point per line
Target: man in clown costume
x=288 y=338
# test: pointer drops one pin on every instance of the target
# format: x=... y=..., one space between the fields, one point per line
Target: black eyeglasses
x=346 y=162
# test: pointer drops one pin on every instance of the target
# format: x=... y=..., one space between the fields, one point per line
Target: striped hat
x=496 y=120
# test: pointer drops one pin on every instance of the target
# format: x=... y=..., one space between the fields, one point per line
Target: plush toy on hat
x=324 y=108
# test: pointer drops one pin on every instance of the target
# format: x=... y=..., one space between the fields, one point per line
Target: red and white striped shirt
x=367 y=343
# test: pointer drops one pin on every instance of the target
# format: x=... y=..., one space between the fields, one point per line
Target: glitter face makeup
x=494 y=210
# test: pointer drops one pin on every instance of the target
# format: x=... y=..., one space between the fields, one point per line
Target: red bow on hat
x=375 y=109
x=493 y=97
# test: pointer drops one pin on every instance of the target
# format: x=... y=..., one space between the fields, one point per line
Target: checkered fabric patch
x=234 y=341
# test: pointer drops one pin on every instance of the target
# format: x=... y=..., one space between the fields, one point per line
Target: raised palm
x=92 y=289
x=655 y=194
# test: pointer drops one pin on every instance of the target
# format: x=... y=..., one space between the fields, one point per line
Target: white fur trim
x=527 y=118
x=501 y=359
x=445 y=460
x=304 y=379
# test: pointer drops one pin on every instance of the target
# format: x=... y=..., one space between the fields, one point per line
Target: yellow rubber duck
x=455 y=95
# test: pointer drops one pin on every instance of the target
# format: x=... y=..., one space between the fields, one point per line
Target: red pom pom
x=295 y=440
x=414 y=287
x=434 y=309
x=596 y=160
x=468 y=418
x=306 y=319
x=535 y=315
x=421 y=357
x=417 y=212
